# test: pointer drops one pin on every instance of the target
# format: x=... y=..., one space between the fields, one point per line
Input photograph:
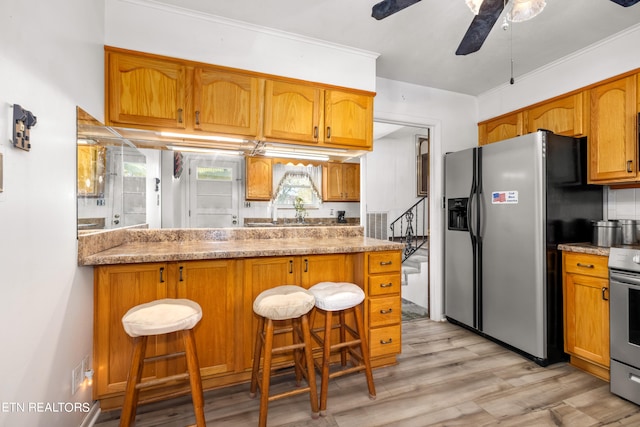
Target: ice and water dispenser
x=457 y=214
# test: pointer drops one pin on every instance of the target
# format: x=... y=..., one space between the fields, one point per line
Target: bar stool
x=276 y=305
x=160 y=317
x=341 y=297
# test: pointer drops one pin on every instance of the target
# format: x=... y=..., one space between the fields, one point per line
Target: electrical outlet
x=85 y=366
x=77 y=376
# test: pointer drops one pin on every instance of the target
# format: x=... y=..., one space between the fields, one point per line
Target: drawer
x=384 y=311
x=384 y=262
x=586 y=264
x=384 y=341
x=384 y=284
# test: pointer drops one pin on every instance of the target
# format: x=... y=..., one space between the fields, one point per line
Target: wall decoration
x=23 y=121
x=422 y=164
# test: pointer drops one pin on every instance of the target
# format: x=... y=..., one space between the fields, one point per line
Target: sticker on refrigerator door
x=504 y=197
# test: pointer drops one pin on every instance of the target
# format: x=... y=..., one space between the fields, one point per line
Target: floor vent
x=377 y=225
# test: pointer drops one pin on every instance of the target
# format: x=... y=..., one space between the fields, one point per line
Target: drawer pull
x=161 y=274
x=386 y=285
x=585 y=265
x=386 y=262
x=383 y=342
x=181 y=279
x=604 y=293
x=390 y=311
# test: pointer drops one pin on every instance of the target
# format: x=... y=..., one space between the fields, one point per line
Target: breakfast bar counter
x=224 y=270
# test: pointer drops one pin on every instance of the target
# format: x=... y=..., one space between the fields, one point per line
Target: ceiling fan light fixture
x=523 y=10
x=474 y=5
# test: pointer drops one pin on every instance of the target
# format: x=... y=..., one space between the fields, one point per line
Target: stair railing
x=410 y=228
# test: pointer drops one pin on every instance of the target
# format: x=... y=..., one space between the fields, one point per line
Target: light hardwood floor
x=446 y=376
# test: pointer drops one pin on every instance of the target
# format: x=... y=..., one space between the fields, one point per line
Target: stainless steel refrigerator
x=508 y=206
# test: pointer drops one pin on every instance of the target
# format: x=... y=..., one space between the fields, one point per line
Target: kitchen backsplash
x=623 y=204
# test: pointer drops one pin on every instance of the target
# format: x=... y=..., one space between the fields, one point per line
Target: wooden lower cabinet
x=225 y=289
x=586 y=312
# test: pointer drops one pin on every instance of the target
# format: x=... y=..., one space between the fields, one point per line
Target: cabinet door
x=259 y=178
x=587 y=318
x=261 y=274
x=212 y=285
x=145 y=92
x=501 y=128
x=348 y=119
x=225 y=102
x=117 y=289
x=564 y=116
x=613 y=139
x=323 y=268
x=332 y=182
x=293 y=112
x=351 y=179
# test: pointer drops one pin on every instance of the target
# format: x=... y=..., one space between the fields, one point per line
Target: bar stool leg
x=266 y=374
x=257 y=353
x=364 y=351
x=326 y=356
x=194 y=376
x=311 y=372
x=128 y=415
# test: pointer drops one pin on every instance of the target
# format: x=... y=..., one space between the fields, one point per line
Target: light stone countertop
x=138 y=246
x=584 y=248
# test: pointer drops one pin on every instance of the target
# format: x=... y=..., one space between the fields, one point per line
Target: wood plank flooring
x=446 y=376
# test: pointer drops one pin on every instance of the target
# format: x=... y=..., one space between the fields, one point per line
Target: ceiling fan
x=480 y=27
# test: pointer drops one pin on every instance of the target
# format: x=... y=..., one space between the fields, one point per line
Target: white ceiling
x=417 y=45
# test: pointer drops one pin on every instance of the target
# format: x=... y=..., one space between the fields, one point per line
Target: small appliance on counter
x=341 y=218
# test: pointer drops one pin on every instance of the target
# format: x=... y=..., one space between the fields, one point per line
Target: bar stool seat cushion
x=283 y=302
x=161 y=317
x=337 y=296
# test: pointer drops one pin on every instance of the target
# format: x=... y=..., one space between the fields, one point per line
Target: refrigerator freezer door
x=459 y=286
x=513 y=248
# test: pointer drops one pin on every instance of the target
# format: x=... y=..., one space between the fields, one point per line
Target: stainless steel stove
x=624 y=309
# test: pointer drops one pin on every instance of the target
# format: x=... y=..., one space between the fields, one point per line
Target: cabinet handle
x=389 y=311
x=179 y=115
x=306 y=265
x=604 y=293
x=629 y=163
x=290 y=266
x=389 y=341
x=386 y=262
x=180 y=278
x=328 y=132
x=579 y=264
x=197 y=117
x=386 y=285
x=315 y=132
x=161 y=274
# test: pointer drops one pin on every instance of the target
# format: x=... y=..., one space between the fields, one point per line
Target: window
x=293 y=181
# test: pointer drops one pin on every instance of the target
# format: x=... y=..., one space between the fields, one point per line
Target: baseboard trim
x=92 y=415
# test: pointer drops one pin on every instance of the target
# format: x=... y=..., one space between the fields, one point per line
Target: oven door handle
x=625 y=278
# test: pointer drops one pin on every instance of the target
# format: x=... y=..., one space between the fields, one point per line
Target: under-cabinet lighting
x=204 y=150
x=202 y=137
x=291 y=155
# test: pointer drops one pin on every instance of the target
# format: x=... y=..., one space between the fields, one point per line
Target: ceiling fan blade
x=481 y=26
x=389 y=7
x=625 y=3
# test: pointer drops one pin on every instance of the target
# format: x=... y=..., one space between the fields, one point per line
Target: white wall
x=453 y=117
x=51 y=56
x=149 y=27
x=600 y=61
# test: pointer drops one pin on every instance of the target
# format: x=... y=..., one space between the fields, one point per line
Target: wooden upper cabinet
x=564 y=116
x=225 y=102
x=259 y=178
x=341 y=182
x=613 y=139
x=348 y=119
x=500 y=128
x=145 y=92
x=293 y=112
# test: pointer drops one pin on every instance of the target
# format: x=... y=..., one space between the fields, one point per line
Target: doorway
x=396 y=177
